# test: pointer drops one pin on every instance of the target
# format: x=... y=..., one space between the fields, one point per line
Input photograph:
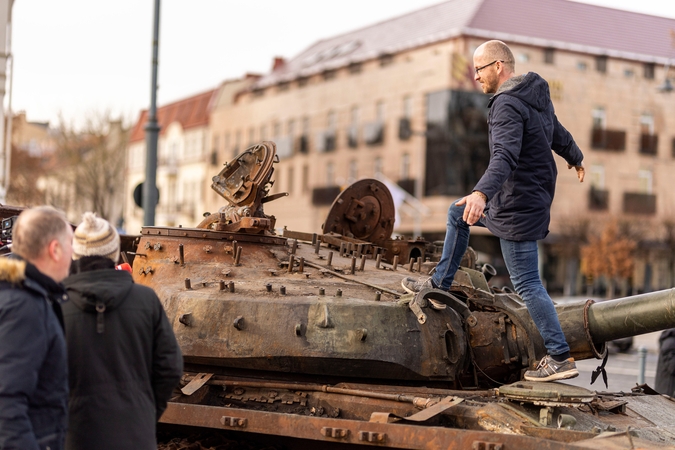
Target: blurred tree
x=88 y=168
x=24 y=173
x=610 y=255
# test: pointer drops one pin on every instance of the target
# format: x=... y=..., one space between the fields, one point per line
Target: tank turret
x=310 y=335
x=245 y=298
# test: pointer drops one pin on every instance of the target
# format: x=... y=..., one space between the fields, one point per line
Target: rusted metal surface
x=311 y=335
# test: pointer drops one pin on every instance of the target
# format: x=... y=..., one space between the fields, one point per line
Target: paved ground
x=622 y=368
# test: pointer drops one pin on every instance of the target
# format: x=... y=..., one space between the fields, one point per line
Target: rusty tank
x=310 y=335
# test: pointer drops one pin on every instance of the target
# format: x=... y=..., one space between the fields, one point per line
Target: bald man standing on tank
x=513 y=198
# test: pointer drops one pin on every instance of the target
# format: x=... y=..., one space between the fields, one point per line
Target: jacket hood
x=108 y=286
x=530 y=88
x=12 y=270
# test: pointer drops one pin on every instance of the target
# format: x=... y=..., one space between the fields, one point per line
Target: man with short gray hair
x=33 y=364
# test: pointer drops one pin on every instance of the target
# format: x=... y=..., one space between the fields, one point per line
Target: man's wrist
x=481 y=195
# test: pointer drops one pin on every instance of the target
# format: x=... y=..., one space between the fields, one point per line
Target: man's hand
x=475 y=205
x=581 y=172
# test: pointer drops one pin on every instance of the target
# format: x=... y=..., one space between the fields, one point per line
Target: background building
x=184 y=163
x=397 y=99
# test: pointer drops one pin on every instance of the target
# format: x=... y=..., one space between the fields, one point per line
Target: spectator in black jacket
x=665 y=367
x=33 y=370
x=123 y=357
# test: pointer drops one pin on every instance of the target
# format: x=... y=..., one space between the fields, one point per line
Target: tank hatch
x=546 y=393
x=245 y=183
x=365 y=211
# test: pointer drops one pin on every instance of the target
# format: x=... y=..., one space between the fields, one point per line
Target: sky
x=74 y=58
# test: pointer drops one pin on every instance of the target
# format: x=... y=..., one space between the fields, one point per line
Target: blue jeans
x=522 y=262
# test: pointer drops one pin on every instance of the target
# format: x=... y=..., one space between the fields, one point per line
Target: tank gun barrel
x=631 y=316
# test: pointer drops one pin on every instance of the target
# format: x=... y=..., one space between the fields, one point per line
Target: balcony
x=604 y=139
x=324 y=196
x=649 y=144
x=598 y=199
x=637 y=203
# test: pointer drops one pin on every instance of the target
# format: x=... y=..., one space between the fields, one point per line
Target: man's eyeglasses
x=478 y=69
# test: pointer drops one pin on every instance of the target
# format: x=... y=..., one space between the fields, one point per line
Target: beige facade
x=184 y=164
x=326 y=108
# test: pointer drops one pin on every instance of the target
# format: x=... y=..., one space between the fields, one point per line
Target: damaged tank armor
x=309 y=335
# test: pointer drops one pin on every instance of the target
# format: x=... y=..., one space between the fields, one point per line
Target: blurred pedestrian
x=513 y=197
x=33 y=365
x=665 y=367
x=123 y=358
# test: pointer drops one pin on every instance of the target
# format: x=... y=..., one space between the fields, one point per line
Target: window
x=332 y=120
x=276 y=130
x=523 y=57
x=582 y=66
x=405 y=166
x=549 y=54
x=649 y=71
x=386 y=59
x=355 y=68
x=601 y=63
x=303 y=81
x=353 y=171
x=379 y=111
x=407 y=107
x=647 y=124
x=628 y=72
x=330 y=174
x=291 y=127
x=354 y=116
x=599 y=118
x=329 y=74
x=215 y=143
x=226 y=144
x=305 y=126
x=377 y=166
x=597 y=176
x=645 y=181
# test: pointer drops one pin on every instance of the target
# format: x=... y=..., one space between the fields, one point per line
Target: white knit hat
x=95 y=237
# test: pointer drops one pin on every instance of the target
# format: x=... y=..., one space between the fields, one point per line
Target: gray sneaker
x=549 y=370
x=414 y=285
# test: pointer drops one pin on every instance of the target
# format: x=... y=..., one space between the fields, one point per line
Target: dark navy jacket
x=33 y=363
x=520 y=179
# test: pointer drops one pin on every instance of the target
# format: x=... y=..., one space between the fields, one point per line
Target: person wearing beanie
x=123 y=358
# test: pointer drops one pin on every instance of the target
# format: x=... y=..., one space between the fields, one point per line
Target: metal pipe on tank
x=632 y=316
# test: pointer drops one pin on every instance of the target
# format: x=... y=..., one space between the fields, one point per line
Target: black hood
x=109 y=286
x=530 y=88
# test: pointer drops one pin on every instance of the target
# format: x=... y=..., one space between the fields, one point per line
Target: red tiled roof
x=560 y=24
x=189 y=112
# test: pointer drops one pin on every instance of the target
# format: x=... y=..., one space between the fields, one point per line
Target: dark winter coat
x=123 y=358
x=33 y=367
x=520 y=179
x=665 y=367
